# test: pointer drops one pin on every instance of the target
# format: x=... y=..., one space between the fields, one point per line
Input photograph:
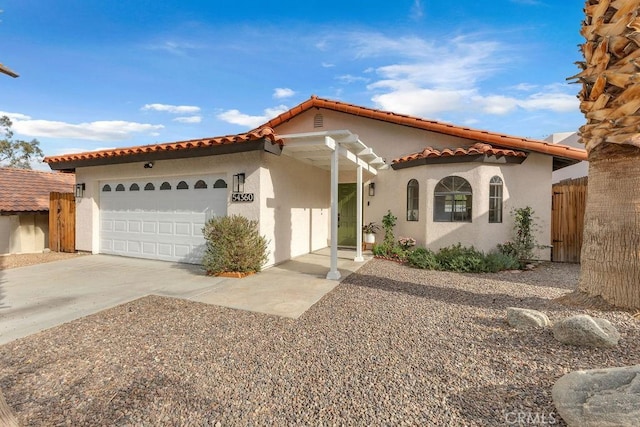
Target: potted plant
x=369 y=231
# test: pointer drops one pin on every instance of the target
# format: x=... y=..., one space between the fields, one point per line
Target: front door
x=347 y=214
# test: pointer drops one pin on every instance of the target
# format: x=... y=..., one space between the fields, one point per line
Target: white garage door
x=159 y=218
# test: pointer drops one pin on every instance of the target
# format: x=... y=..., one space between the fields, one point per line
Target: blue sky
x=100 y=74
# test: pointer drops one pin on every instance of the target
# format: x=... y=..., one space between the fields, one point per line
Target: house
x=24 y=208
x=311 y=177
x=580 y=169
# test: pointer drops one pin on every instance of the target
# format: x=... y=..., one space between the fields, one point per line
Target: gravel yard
x=23 y=260
x=391 y=345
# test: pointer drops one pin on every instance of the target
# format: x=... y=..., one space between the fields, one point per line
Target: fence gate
x=62 y=222
x=567 y=219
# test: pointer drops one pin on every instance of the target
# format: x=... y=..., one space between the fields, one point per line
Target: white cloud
x=283 y=92
x=327 y=65
x=417 y=10
x=107 y=130
x=14 y=116
x=558 y=102
x=188 y=119
x=415 y=101
x=348 y=79
x=525 y=87
x=173 y=47
x=173 y=109
x=237 y=118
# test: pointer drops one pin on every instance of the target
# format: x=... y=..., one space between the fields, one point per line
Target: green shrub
x=524 y=239
x=423 y=258
x=234 y=244
x=461 y=259
x=388 y=222
x=497 y=261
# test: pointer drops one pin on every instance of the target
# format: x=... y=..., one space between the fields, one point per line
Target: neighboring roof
x=7 y=71
x=477 y=149
x=25 y=190
x=256 y=135
x=498 y=139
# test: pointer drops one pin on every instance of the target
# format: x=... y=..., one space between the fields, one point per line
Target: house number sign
x=242 y=197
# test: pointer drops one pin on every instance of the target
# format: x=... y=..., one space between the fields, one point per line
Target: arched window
x=165 y=186
x=119 y=187
x=134 y=187
x=452 y=200
x=200 y=184
x=182 y=186
x=106 y=187
x=413 y=191
x=220 y=184
x=495 y=199
x=149 y=187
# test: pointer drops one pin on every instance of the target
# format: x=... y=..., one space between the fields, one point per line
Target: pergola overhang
x=335 y=151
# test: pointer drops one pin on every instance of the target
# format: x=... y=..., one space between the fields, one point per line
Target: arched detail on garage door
x=221 y=183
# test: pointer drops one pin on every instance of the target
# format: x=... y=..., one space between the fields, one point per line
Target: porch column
x=333 y=273
x=359 y=257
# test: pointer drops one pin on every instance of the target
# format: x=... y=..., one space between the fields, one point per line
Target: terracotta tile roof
x=498 y=139
x=23 y=190
x=475 y=149
x=254 y=135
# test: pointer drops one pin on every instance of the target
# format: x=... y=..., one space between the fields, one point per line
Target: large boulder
x=524 y=318
x=599 y=397
x=584 y=330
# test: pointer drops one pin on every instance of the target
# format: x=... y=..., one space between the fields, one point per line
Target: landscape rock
x=599 y=397
x=584 y=330
x=524 y=318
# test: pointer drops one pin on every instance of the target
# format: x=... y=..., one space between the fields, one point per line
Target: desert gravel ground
x=23 y=260
x=389 y=346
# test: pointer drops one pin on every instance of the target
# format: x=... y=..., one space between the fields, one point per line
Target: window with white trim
x=495 y=199
x=413 y=197
x=453 y=200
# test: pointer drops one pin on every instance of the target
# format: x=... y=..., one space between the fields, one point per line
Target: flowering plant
x=371 y=228
x=406 y=242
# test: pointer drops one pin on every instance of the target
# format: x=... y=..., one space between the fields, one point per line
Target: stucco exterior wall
x=88 y=208
x=524 y=185
x=294 y=207
x=25 y=233
x=578 y=170
x=527 y=184
x=389 y=141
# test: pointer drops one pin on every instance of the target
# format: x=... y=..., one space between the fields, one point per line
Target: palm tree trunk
x=610 y=255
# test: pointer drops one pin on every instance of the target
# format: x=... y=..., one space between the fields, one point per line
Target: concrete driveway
x=38 y=297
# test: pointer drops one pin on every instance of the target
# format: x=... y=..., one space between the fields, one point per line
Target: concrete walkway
x=41 y=296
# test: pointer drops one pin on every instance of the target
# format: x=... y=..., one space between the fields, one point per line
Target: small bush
x=423 y=258
x=234 y=245
x=461 y=259
x=497 y=261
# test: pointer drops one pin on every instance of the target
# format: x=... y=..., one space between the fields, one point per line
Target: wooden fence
x=567 y=219
x=62 y=222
